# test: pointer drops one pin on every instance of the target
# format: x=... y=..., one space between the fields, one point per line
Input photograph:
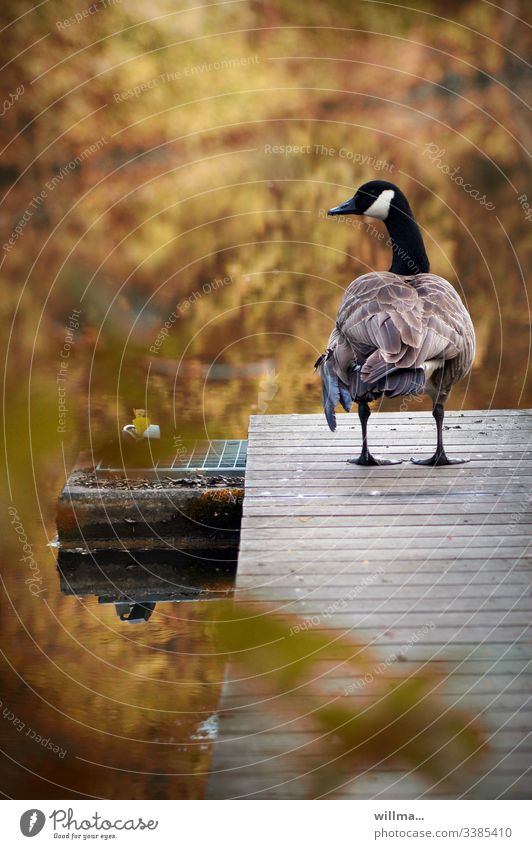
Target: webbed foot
x=369 y=460
x=439 y=459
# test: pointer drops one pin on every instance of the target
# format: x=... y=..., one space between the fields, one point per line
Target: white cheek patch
x=380 y=207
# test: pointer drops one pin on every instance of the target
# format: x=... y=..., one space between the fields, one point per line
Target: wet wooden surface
x=385 y=554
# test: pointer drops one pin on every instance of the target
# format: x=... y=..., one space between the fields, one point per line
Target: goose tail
x=335 y=391
x=393 y=382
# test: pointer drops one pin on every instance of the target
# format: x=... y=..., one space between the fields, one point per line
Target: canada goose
x=398 y=332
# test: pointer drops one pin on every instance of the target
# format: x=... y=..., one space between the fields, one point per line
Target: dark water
x=96 y=707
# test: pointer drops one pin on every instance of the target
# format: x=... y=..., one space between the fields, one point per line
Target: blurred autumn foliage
x=164 y=174
x=182 y=189
x=316 y=682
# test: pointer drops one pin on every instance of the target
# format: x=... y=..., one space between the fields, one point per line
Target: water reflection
x=134 y=582
x=91 y=705
x=122 y=707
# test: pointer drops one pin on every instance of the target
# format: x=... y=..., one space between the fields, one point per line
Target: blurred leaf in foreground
x=397 y=720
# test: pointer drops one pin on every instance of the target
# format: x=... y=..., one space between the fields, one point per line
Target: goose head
x=376 y=199
x=385 y=201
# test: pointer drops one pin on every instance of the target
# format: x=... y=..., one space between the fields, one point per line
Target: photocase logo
x=32 y=822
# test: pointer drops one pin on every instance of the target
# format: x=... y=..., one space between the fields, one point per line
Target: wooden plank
x=479 y=505
x=421 y=582
x=384 y=487
x=322 y=607
x=460 y=595
x=411 y=537
x=381 y=554
x=295 y=740
x=402 y=524
x=240 y=723
x=472 y=502
x=276 y=423
x=338 y=562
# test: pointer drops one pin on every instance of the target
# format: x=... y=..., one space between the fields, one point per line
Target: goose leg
x=367 y=459
x=439 y=458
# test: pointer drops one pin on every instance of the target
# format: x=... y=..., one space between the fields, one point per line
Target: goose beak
x=347 y=208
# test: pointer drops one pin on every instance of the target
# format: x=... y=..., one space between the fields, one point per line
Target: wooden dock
x=431 y=564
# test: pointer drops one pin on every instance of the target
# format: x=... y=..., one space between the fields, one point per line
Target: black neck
x=409 y=255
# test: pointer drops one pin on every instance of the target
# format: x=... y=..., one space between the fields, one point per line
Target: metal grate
x=221 y=455
x=217 y=456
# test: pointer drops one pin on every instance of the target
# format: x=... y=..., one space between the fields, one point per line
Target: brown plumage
x=398 y=332
x=386 y=321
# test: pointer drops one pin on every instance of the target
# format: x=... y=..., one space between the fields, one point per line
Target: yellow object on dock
x=141 y=422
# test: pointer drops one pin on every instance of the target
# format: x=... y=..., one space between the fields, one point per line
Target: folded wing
x=387 y=328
